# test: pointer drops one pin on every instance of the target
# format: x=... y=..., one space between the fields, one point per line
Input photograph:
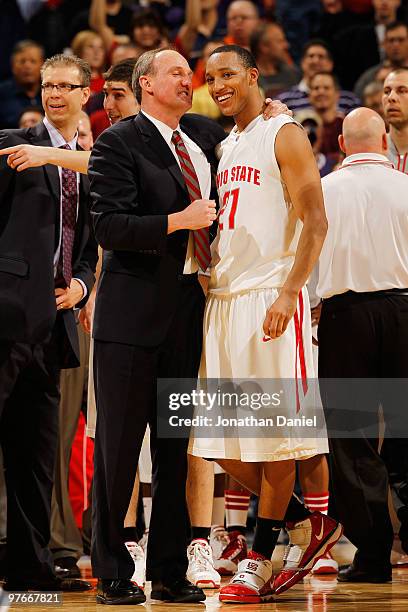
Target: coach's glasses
x=62 y=88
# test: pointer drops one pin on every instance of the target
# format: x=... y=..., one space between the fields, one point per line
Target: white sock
x=236 y=508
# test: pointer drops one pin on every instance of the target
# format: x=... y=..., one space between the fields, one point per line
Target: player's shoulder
x=273 y=125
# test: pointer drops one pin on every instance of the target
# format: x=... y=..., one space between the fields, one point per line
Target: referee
x=363 y=333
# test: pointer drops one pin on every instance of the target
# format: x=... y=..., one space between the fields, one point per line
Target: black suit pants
x=29 y=398
x=125 y=383
x=363 y=336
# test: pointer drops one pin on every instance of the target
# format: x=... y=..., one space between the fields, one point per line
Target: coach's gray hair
x=144 y=66
x=69 y=61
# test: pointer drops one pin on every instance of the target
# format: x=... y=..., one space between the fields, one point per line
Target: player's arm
x=301 y=176
x=23 y=156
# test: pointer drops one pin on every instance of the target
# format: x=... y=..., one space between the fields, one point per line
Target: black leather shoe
x=180 y=591
x=58 y=584
x=351 y=573
x=66 y=567
x=119 y=592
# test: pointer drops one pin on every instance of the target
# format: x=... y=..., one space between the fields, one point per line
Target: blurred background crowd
x=321 y=57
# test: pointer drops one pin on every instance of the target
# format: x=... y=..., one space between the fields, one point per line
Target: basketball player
x=257 y=321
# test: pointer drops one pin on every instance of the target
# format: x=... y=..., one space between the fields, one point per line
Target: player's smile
x=223 y=98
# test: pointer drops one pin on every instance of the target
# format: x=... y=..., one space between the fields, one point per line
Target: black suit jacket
x=29 y=234
x=136 y=183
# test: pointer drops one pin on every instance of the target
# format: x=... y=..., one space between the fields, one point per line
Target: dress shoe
x=66 y=567
x=179 y=591
x=352 y=573
x=119 y=592
x=56 y=584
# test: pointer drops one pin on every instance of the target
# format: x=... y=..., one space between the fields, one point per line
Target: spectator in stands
x=146 y=29
x=242 y=20
x=121 y=52
x=324 y=94
x=358 y=48
x=203 y=104
x=89 y=46
x=372 y=97
x=299 y=20
x=316 y=58
x=30 y=116
x=396 y=53
x=313 y=125
x=85 y=139
x=117 y=17
x=201 y=17
x=334 y=19
x=270 y=49
x=383 y=72
x=23 y=89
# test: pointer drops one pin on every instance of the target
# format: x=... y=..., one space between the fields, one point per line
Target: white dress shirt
x=57 y=140
x=366 y=247
x=203 y=171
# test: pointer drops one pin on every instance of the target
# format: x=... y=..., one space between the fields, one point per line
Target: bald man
x=363 y=334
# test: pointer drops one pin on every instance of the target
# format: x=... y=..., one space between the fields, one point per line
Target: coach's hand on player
x=273 y=108
x=199 y=214
x=279 y=315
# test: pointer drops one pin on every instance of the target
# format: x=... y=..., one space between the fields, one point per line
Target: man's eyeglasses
x=62 y=88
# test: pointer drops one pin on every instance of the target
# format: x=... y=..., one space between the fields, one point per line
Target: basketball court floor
x=314 y=594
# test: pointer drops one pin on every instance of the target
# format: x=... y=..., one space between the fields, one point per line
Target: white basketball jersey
x=258 y=230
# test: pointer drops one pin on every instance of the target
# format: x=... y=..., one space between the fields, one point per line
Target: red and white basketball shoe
x=309 y=539
x=235 y=551
x=326 y=565
x=219 y=540
x=200 y=569
x=252 y=583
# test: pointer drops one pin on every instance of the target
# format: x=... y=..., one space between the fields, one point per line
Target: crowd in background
x=322 y=58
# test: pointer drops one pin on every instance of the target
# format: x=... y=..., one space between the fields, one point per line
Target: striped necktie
x=69 y=196
x=202 y=251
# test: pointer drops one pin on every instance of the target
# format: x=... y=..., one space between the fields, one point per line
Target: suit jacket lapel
x=40 y=137
x=156 y=141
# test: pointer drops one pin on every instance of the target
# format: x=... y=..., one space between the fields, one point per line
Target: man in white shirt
x=363 y=280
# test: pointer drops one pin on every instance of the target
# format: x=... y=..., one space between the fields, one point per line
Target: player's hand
x=273 y=108
x=21 y=157
x=199 y=214
x=69 y=297
x=86 y=313
x=315 y=313
x=279 y=315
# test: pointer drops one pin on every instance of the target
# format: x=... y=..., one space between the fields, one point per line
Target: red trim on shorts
x=300 y=351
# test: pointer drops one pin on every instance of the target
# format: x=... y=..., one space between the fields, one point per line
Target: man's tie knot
x=176 y=138
x=65 y=146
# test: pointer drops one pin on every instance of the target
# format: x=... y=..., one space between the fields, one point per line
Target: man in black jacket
x=148 y=315
x=47 y=260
